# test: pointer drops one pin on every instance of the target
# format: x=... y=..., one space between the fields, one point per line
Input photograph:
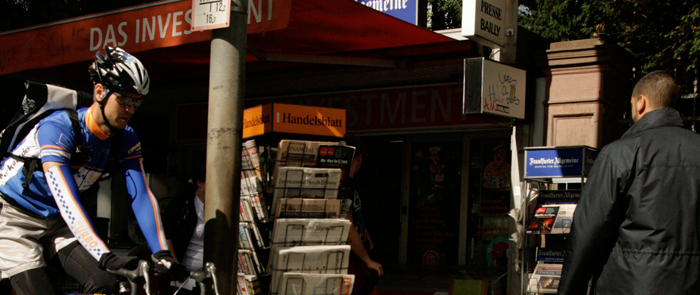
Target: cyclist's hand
x=112 y=263
x=165 y=264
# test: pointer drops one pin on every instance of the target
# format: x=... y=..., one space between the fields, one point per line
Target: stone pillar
x=589 y=84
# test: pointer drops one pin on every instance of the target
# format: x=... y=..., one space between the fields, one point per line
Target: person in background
x=361 y=264
x=636 y=228
x=41 y=215
x=184 y=230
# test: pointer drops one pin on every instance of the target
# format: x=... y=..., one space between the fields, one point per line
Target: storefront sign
x=484 y=21
x=285 y=118
x=257 y=120
x=405 y=10
x=558 y=162
x=297 y=119
x=429 y=106
x=135 y=29
x=493 y=88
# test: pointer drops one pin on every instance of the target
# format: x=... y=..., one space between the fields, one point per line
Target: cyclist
x=43 y=219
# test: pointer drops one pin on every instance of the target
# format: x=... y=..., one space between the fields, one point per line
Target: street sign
x=210 y=14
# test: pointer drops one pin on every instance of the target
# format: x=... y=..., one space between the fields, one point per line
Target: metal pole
x=226 y=94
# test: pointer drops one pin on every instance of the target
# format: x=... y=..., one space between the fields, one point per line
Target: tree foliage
x=662 y=34
x=445 y=14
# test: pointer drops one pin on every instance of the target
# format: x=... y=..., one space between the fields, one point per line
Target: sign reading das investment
x=493 y=88
x=138 y=28
x=287 y=118
x=484 y=21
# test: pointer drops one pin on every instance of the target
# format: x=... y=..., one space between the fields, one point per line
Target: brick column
x=589 y=84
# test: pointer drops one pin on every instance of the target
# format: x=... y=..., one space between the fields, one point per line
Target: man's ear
x=98 y=92
x=642 y=104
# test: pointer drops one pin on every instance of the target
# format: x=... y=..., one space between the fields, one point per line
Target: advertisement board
x=493 y=88
x=549 y=162
x=484 y=21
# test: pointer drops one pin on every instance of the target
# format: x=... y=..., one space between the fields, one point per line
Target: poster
x=434 y=203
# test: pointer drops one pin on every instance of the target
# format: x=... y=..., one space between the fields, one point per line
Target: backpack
x=36 y=101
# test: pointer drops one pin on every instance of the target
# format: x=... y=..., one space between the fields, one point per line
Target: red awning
x=301 y=31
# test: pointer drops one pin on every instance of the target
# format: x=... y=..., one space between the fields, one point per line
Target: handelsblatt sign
x=297 y=119
x=135 y=29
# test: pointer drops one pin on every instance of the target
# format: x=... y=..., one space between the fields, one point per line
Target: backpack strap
x=32 y=164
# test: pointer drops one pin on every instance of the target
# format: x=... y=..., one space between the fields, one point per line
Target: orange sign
x=287 y=118
x=138 y=28
x=257 y=120
x=311 y=120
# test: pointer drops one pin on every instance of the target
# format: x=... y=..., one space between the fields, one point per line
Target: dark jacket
x=179 y=222
x=636 y=229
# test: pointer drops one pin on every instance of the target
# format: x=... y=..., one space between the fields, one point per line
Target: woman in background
x=184 y=229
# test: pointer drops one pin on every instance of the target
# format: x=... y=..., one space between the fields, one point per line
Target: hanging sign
x=548 y=162
x=484 y=21
x=297 y=119
x=493 y=88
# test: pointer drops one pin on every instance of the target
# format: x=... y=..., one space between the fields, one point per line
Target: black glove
x=166 y=264
x=112 y=263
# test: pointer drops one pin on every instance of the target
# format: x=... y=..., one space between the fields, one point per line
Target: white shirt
x=194 y=255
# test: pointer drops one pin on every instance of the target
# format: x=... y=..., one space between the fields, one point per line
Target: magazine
x=313 y=284
x=308 y=208
x=298 y=182
x=307 y=259
x=289 y=232
x=545 y=278
x=552 y=219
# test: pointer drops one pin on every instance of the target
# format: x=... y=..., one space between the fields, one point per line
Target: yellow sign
x=257 y=120
x=296 y=119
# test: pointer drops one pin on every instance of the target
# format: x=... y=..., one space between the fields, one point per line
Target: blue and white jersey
x=53 y=140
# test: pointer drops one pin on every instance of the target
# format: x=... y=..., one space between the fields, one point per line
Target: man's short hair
x=660 y=88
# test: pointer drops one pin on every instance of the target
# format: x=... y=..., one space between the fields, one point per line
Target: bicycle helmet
x=119 y=70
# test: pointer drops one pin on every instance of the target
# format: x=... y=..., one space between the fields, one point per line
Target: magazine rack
x=298 y=186
x=554 y=178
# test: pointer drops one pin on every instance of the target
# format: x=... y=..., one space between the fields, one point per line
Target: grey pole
x=226 y=94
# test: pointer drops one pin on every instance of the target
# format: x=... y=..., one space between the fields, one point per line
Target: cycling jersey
x=53 y=140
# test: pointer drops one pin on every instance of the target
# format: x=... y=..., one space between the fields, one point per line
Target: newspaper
x=242 y=286
x=307 y=259
x=552 y=219
x=308 y=208
x=545 y=278
x=313 y=284
x=289 y=232
x=299 y=153
x=299 y=182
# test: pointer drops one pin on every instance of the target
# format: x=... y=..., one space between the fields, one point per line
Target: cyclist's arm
x=57 y=142
x=144 y=205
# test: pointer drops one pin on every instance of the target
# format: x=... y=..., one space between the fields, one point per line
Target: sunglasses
x=128 y=102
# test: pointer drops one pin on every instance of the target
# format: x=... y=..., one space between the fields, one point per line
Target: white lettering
x=269 y=10
x=256 y=13
x=138 y=28
x=94 y=46
x=415 y=106
x=188 y=20
x=109 y=36
x=163 y=29
x=122 y=33
x=176 y=23
x=148 y=29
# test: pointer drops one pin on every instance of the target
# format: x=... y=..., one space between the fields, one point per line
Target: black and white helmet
x=119 y=70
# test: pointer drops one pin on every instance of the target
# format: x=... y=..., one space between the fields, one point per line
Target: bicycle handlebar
x=200 y=276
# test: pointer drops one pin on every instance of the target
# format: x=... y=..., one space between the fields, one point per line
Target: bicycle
x=143 y=272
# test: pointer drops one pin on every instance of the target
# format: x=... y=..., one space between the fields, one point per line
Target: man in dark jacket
x=636 y=229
